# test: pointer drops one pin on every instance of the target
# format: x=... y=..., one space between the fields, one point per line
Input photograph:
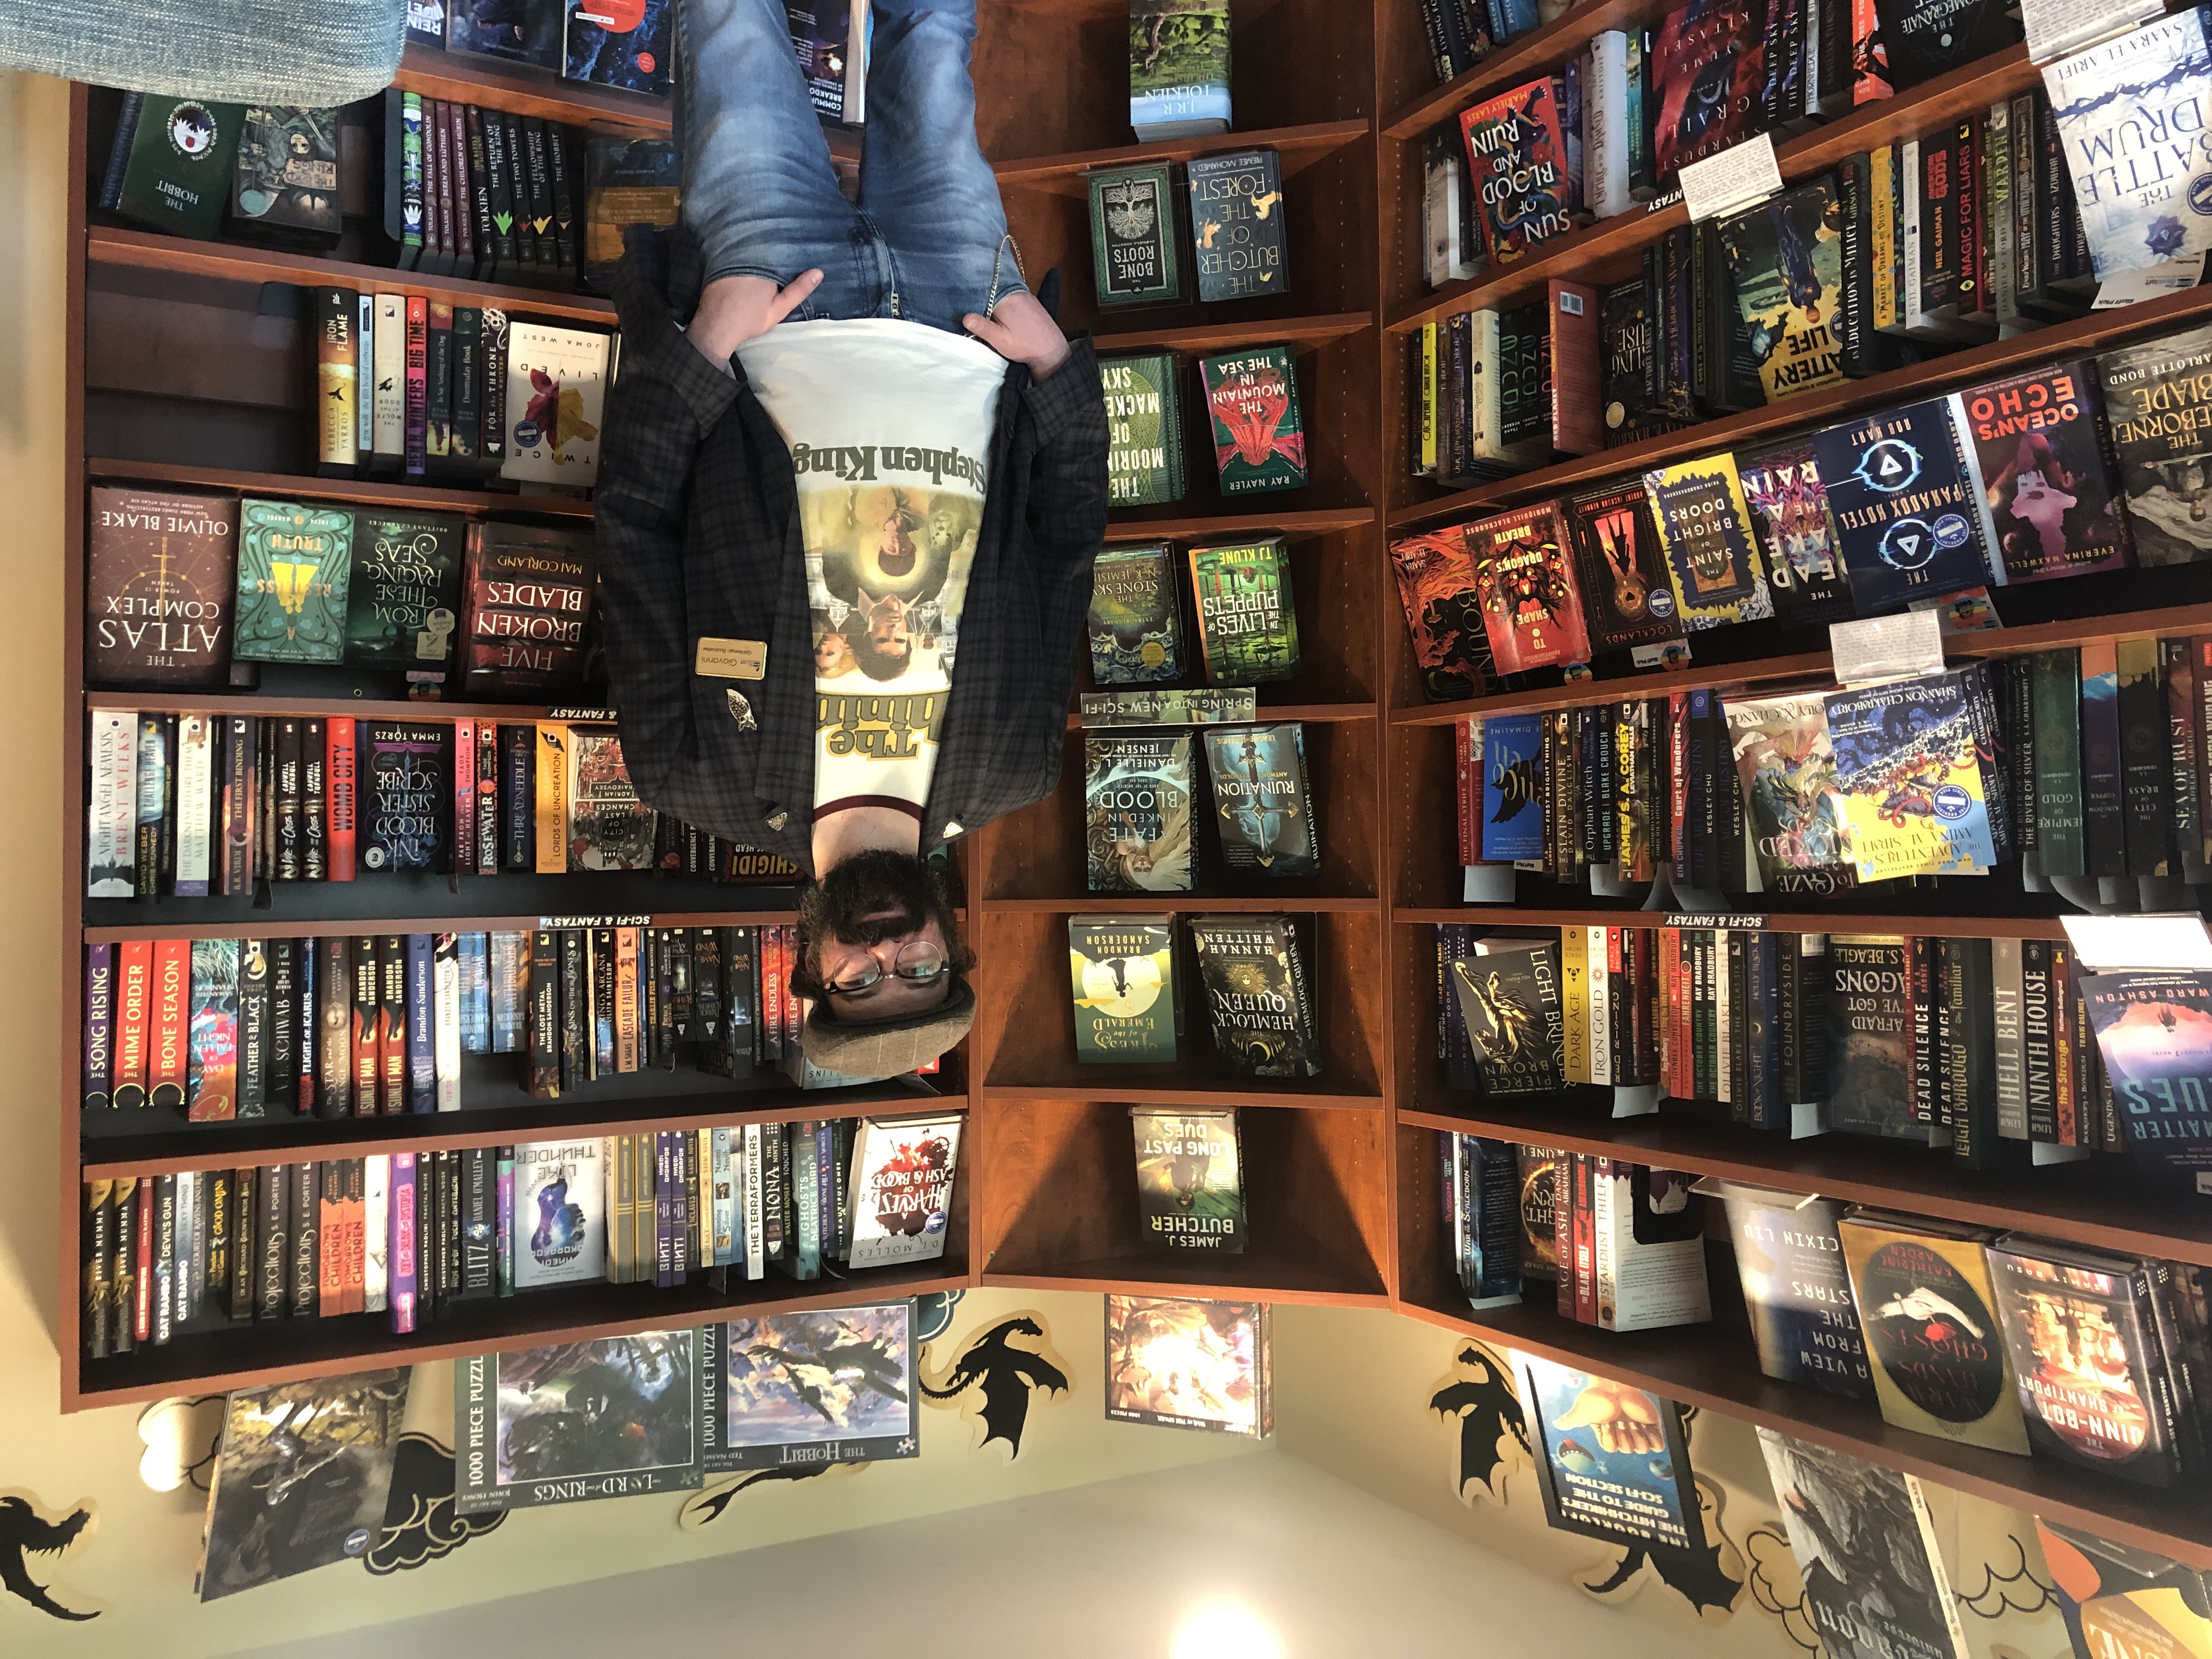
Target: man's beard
x=871 y=896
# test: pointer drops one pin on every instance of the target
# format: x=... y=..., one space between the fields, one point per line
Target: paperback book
x=1907 y=505
x=1713 y=564
x=1443 y=617
x=1134 y=622
x=1136 y=801
x=900 y=1189
x=1253 y=975
x=560 y=1216
x=2154 y=396
x=1529 y=607
x=1263 y=809
x=1787 y=770
x=1248 y=619
x=1143 y=429
x=1259 y=436
x=1910 y=779
x=1786 y=257
x=2155 y=1032
x=1613 y=1460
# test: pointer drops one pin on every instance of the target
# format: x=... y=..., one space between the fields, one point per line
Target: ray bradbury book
x=1614 y=1461
x=1189 y=1185
x=2154 y=1031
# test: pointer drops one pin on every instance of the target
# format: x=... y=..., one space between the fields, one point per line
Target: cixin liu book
x=1258 y=437
x=1189 y=1184
x=1927 y=1306
x=2046 y=471
x=1614 y=1461
x=295 y=564
x=1621 y=571
x=160 y=587
x=1516 y=153
x=1137 y=801
x=1786 y=257
x=1796 y=1289
x=1237 y=243
x=1530 y=610
x=2156 y=397
x=2154 y=1031
x=1248 y=619
x=1135 y=252
x=1907 y=505
x=1443 y=619
x=1263 y=810
x=1786 y=768
x=1134 y=622
x=1713 y=564
x=1177 y=1363
x=1909 y=778
x=1253 y=974
x=1143 y=429
x=1122 y=974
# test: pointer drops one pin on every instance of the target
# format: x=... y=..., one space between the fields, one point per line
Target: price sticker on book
x=2174 y=944
x=1741 y=176
x=1887 y=647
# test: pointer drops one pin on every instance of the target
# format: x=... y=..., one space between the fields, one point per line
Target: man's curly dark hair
x=899 y=891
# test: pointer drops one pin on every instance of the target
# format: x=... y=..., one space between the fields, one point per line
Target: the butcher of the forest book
x=1135 y=623
x=1797 y=531
x=1263 y=810
x=1509 y=995
x=903 y=1172
x=1178 y=68
x=2153 y=400
x=2154 y=1031
x=1621 y=571
x=161 y=588
x=1906 y=505
x=1188 y=1182
x=2046 y=469
x=1786 y=257
x=1614 y=1461
x=1136 y=251
x=1253 y=975
x=1143 y=429
x=1177 y=1363
x=1443 y=619
x=1259 y=436
x=1247 y=620
x=1121 y=970
x=403 y=607
x=1927 y=1306
x=1530 y=610
x=1713 y=564
x=1796 y=1290
x=293 y=567
x=1236 y=217
x=1517 y=161
x=1136 y=801
x=764 y=1406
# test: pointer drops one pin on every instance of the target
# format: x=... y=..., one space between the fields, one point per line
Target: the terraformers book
x=1788 y=773
x=1516 y=155
x=301 y=1478
x=1253 y=974
x=1796 y=1289
x=1620 y=570
x=1189 y=1183
x=1444 y=618
x=1713 y=564
x=795 y=1390
x=160 y=587
x=560 y=1213
x=1122 y=974
x=295 y=563
x=1804 y=554
x=1137 y=803
x=577 y=1420
x=1786 y=256
x=903 y=1172
x=1259 y=436
x=1178 y=1363
x=1143 y=429
x=1134 y=622
x=1178 y=68
x=2154 y=1031
x=1512 y=788
x=1926 y=1302
x=1907 y=504
x=1529 y=607
x=1869 y=1019
x=1237 y=244
x=2155 y=399
x=1911 y=782
x=1263 y=810
x=1509 y=995
x=609 y=827
x=1248 y=619
x=1135 y=246
x=1613 y=1460
x=2045 y=470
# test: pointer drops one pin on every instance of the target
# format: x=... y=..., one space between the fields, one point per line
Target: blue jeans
x=928 y=241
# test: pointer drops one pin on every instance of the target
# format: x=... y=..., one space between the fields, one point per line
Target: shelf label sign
x=2107 y=944
x=1743 y=175
x=553 y=924
x=1887 y=647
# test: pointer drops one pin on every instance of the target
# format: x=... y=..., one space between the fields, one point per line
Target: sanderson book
x=1188 y=1186
x=1135 y=247
x=1787 y=772
x=1509 y=995
x=403 y=605
x=1263 y=810
x=1256 y=1000
x=294 y=565
x=1705 y=529
x=1137 y=829
x=1529 y=607
x=2156 y=397
x=1143 y=429
x=1908 y=771
x=1804 y=557
x=1796 y=1289
x=800 y=1392
x=1614 y=1461
x=2046 y=472
x=1907 y=504
x=1786 y=257
x=1620 y=570
x=160 y=588
x=1444 y=618
x=2154 y=1031
x=1248 y=619
x=1516 y=155
x=1136 y=633
x=1122 y=969
x=1258 y=438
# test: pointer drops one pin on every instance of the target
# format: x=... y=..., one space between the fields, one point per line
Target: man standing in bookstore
x=847 y=445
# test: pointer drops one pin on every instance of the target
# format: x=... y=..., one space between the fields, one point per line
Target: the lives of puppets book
x=1615 y=1463
x=1143 y=429
x=1258 y=437
x=2155 y=397
x=1188 y=1186
x=1707 y=68
x=1620 y=570
x=1907 y=504
x=1787 y=768
x=1135 y=625
x=2047 y=472
x=1135 y=240
x=1804 y=553
x=2154 y=1031
x=1444 y=618
x=1704 y=530
x=1529 y=607
x=1786 y=256
x=1910 y=779
x=1121 y=974
x=1137 y=798
x=1236 y=226
x=1517 y=154
x=1796 y=1289
x=1248 y=619
x=1263 y=811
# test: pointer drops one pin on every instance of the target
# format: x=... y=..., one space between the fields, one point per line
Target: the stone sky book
x=1136 y=253
x=1134 y=622
x=1237 y=241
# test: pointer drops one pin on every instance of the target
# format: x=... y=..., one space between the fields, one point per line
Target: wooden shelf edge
x=1181 y=904
x=1294 y=526
x=363 y=492
x=1299 y=147
x=1519 y=59
x=486 y=81
x=1783 y=921
x=353 y=924
x=1313 y=713
x=1221 y=336
x=218 y=699
x=1225 y=1094
x=1085 y=1285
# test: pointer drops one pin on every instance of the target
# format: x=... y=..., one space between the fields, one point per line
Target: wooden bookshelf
x=494 y=85
x=1299 y=147
x=1301 y=331
x=351 y=492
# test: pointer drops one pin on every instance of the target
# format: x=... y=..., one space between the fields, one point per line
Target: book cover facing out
x=1620 y=570
x=1248 y=619
x=1910 y=777
x=1516 y=155
x=1143 y=429
x=1804 y=554
x=1188 y=1185
x=1509 y=995
x=2039 y=446
x=1707 y=68
x=1263 y=809
x=1136 y=801
x=1443 y=617
x=1786 y=768
x=1236 y=226
x=1178 y=68
x=2155 y=397
x=1135 y=250
x=1253 y=976
x=1614 y=1463
x=2154 y=1031
x=1786 y=256
x=1133 y=623
x=295 y=563
x=1796 y=1290
x=160 y=587
x=1121 y=970
x=1529 y=606
x=1705 y=529
x=1258 y=437
x=1177 y=1363
x=1907 y=504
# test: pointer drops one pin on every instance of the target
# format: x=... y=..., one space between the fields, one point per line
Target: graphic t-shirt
x=889 y=429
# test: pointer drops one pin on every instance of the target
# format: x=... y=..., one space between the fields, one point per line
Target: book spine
x=421 y=1030
x=503 y=1243
x=367 y=1016
x=751 y=1210
x=375 y=1173
x=272 y=1240
x=1563 y=1232
x=464 y=796
x=445 y=1021
x=394 y=1024
x=550 y=797
x=403 y=1268
x=337 y=382
x=480 y=230
x=331 y=998
x=575 y=991
x=517 y=746
x=99 y=1027
x=303 y=1208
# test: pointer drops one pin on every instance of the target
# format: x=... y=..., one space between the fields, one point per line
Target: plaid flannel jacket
x=699 y=538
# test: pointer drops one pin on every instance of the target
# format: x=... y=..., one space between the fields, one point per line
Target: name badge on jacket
x=731 y=659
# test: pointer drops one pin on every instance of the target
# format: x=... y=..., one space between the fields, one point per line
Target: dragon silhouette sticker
x=1479 y=1393
x=26 y=1531
x=420 y=1522
x=993 y=1381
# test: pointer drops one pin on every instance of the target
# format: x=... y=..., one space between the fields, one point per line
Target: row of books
x=1140 y=832
x=1128 y=1000
x=631 y=45
x=197 y=805
x=1251 y=400
x=1240 y=595
x=1235 y=248
x=367 y=1025
x=409 y=1234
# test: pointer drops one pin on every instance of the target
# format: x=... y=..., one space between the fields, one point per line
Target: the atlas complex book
x=1121 y=973
x=402 y=606
x=1529 y=607
x=2046 y=471
x=1509 y=995
x=1612 y=1461
x=1263 y=810
x=1253 y=975
x=1189 y=1184
x=1796 y=1289
x=1180 y=1363
x=577 y=1420
x=1136 y=252
x=1236 y=226
x=2154 y=1031
x=902 y=1186
x=1259 y=436
x=1135 y=623
x=1137 y=802
x=1517 y=161
x=1247 y=620
x=1786 y=257
x=1178 y=68
x=1143 y=429
x=161 y=588
x=294 y=565
x=2152 y=398
x=801 y=1392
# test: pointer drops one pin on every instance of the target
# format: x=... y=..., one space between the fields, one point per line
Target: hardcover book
x=402 y=606
x=560 y=1234
x=1804 y=556
x=408 y=796
x=1796 y=1289
x=1443 y=619
x=1516 y=155
x=629 y=44
x=1907 y=504
x=1923 y=39
x=1509 y=995
x=900 y=1191
x=1248 y=620
x=1512 y=788
x=528 y=593
x=284 y=179
x=1628 y=330
x=1134 y=622
x=1910 y=779
x=1704 y=530
x=1178 y=68
x=1180 y=1363
x=1707 y=68
x=1620 y=570
x=1530 y=610
x=554 y=404
x=294 y=569
x=2046 y=472
x=177 y=155
x=1143 y=429
x=1236 y=225
x=765 y=1406
x=1613 y=1460
x=1253 y=974
x=1869 y=1015
x=1258 y=437
x=1122 y=974
x=515 y=31
x=1263 y=810
x=517 y=1442
x=1137 y=801
x=1188 y=1182
x=161 y=586
x=1786 y=257
x=2151 y=397
x=1136 y=254
x=1787 y=770
x=2155 y=1032
x=609 y=827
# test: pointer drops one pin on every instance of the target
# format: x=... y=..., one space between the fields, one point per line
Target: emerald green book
x=2055 y=695
x=1259 y=435
x=1121 y=970
x=1136 y=254
x=293 y=566
x=1248 y=625
x=177 y=176
x=1144 y=430
x=402 y=606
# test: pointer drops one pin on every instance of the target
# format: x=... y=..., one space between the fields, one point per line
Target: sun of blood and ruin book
x=1178 y=68
x=1443 y=619
x=172 y=169
x=1508 y=991
x=161 y=583
x=1926 y=1304
x=1857 y=1529
x=1909 y=778
x=2046 y=471
x=1121 y=970
x=1707 y=65
x=1137 y=805
x=560 y=1213
x=554 y=400
x=1795 y=1289
x=2155 y=397
x=1804 y=556
x=1143 y=429
x=517 y=1445
x=609 y=827
x=406 y=795
x=1869 y=1020
x=1530 y=610
x=1135 y=622
x=1189 y=1183
x=403 y=609
x=1516 y=155
x=1177 y=1363
x=1253 y=974
x=1263 y=810
x=1248 y=619
x=1787 y=770
x=1713 y=565
x=293 y=567
x=2154 y=1031
x=1258 y=437
x=1907 y=506
x=527 y=590
x=1786 y=257
x=902 y=1173
x=1612 y=1461
x=1136 y=251
x=763 y=1403
x=1236 y=226
x=1621 y=571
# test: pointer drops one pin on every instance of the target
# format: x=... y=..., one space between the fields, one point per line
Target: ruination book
x=1188 y=1180
x=1177 y=1363
x=1907 y=504
x=1926 y=1302
x=1704 y=530
x=293 y=567
x=1444 y=621
x=1796 y=1289
x=1248 y=622
x=1135 y=254
x=1620 y=568
x=1509 y=995
x=560 y=1216
x=1788 y=773
x=1786 y=257
x=1178 y=68
x=1122 y=974
x=2047 y=474
x=1909 y=778
x=1870 y=1016
x=1804 y=554
x=403 y=607
x=2156 y=397
x=519 y=1444
x=2154 y=1031
x=1258 y=438
x=1263 y=810
x=900 y=1189
x=1137 y=828
x=1516 y=158
x=1253 y=975
x=764 y=1404
x=1236 y=225
x=1612 y=1461
x=1529 y=607
x=1134 y=624
x=1144 y=430
x=161 y=580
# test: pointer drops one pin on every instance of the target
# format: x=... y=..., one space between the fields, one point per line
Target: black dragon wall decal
x=996 y=1376
x=24 y=1533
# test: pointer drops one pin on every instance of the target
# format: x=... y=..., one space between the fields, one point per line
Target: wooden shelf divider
x=1295 y=526
x=1824 y=921
x=486 y=81
x=358 y=492
x=1227 y=337
x=1299 y=147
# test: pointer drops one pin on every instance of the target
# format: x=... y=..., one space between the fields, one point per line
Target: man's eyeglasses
x=919 y=960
